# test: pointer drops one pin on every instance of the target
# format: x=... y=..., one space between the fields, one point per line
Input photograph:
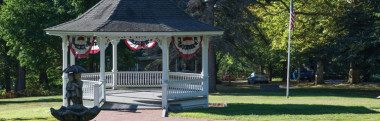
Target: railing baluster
x=128 y=78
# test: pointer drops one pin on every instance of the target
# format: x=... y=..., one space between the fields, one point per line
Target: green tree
x=360 y=38
x=314 y=24
x=23 y=22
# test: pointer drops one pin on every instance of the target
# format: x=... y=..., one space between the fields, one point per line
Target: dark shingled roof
x=134 y=16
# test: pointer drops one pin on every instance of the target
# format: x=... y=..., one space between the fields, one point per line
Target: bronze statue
x=74 y=93
x=74 y=89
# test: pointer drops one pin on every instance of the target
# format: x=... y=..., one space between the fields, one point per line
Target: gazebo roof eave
x=173 y=33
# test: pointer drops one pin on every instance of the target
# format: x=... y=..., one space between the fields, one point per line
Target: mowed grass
x=245 y=102
x=327 y=102
x=29 y=108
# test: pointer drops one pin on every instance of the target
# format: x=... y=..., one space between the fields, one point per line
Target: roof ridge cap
x=81 y=16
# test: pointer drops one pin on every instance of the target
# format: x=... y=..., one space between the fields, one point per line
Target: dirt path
x=138 y=115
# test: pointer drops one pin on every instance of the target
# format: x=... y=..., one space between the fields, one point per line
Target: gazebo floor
x=132 y=99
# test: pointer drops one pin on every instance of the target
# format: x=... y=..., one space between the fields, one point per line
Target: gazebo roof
x=134 y=16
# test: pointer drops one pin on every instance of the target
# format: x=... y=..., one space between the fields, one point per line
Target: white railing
x=139 y=79
x=178 y=89
x=109 y=76
x=88 y=89
x=90 y=76
x=93 y=90
x=180 y=85
x=96 y=77
x=184 y=76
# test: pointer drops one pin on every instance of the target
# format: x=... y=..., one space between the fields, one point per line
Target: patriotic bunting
x=187 y=47
x=135 y=43
x=81 y=46
x=95 y=48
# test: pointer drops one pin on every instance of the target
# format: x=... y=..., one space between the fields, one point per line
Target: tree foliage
x=22 y=23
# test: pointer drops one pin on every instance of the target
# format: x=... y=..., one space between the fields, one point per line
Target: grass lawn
x=245 y=102
x=29 y=108
x=327 y=102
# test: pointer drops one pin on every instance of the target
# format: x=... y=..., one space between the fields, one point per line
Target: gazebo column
x=164 y=44
x=102 y=47
x=72 y=59
x=205 y=45
x=65 y=77
x=114 y=43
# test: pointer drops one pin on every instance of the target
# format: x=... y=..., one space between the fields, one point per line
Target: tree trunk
x=7 y=77
x=212 y=69
x=270 y=72
x=298 y=74
x=260 y=69
x=354 y=75
x=284 y=71
x=44 y=79
x=208 y=17
x=319 y=74
x=20 y=84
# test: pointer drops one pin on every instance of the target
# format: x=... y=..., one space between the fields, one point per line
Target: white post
x=102 y=47
x=72 y=59
x=64 y=66
x=205 y=44
x=96 y=94
x=164 y=44
x=114 y=43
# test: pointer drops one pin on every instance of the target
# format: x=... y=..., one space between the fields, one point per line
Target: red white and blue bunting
x=187 y=47
x=95 y=48
x=137 y=43
x=81 y=46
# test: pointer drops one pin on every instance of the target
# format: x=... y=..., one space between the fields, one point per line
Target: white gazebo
x=140 y=22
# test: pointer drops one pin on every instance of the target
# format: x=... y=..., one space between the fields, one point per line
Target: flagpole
x=288 y=70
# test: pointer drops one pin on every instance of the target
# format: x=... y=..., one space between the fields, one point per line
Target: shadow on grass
x=32 y=101
x=21 y=119
x=283 y=109
x=339 y=92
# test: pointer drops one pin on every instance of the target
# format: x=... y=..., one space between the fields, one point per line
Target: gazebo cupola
x=110 y=21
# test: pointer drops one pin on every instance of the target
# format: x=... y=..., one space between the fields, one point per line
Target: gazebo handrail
x=171 y=73
x=182 y=73
x=140 y=72
x=181 y=89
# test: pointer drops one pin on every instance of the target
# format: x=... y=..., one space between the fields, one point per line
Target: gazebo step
x=188 y=103
x=187 y=99
x=126 y=106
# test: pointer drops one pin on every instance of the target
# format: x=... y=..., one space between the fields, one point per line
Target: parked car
x=305 y=74
x=258 y=78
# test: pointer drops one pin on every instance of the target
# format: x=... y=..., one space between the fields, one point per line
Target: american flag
x=292 y=15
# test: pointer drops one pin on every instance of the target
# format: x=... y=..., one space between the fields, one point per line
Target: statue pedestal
x=75 y=113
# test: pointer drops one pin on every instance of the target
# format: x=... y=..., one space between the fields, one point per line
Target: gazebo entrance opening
x=133 y=98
